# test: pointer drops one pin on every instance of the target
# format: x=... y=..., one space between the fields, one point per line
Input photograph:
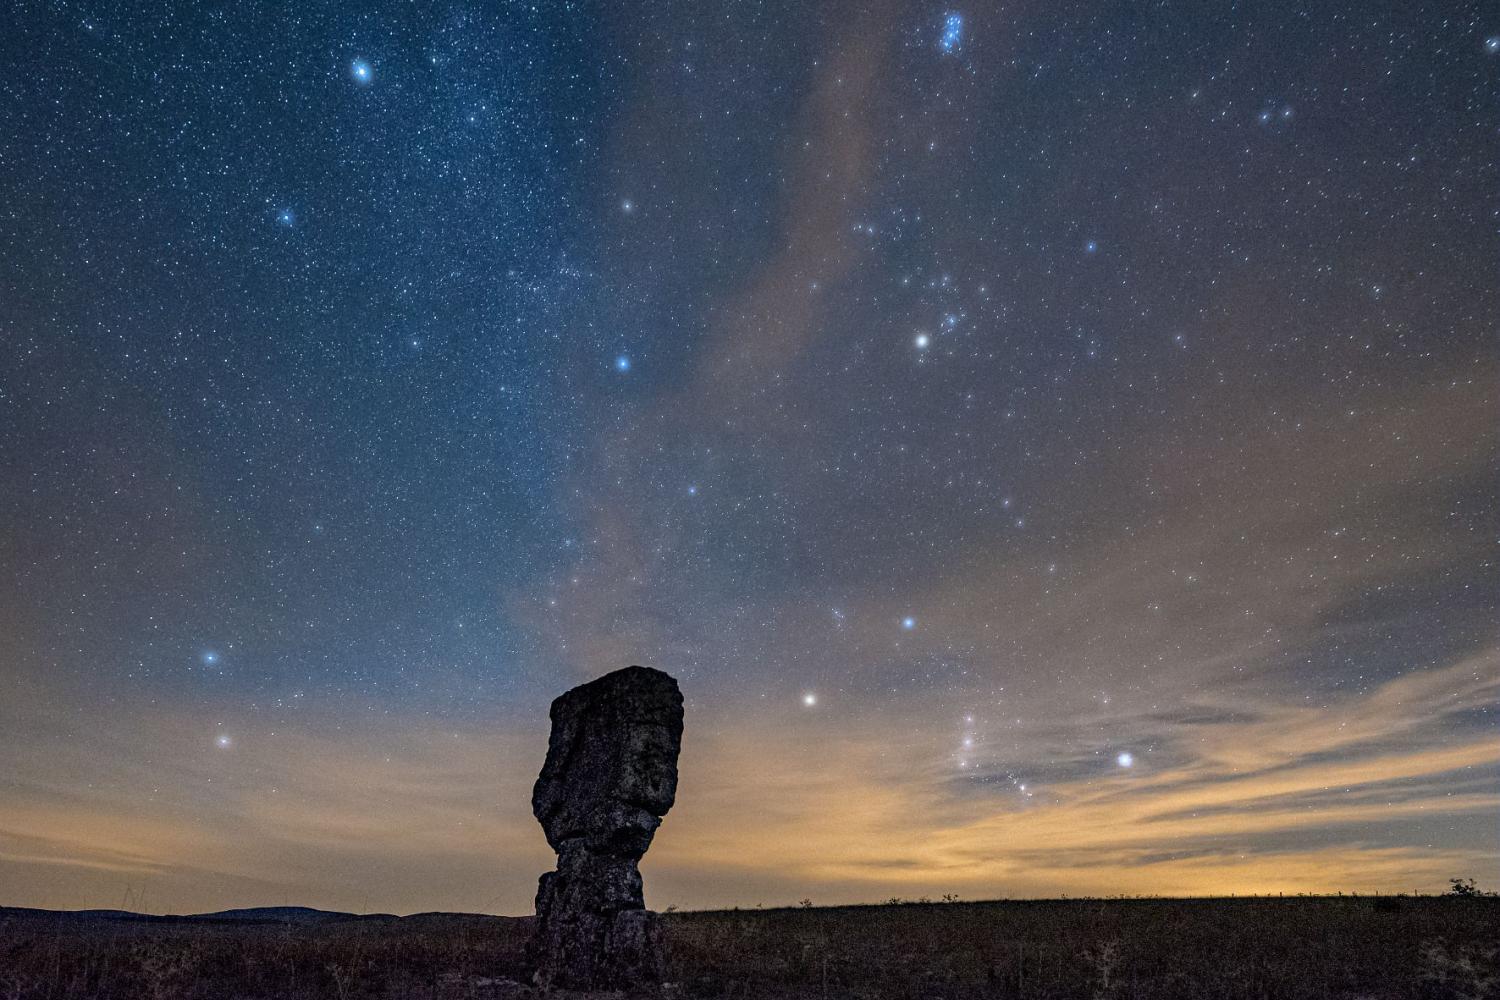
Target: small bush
x=1466 y=889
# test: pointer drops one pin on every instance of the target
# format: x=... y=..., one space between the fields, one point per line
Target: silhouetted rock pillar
x=609 y=778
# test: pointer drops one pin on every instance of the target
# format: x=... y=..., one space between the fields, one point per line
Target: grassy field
x=1265 y=948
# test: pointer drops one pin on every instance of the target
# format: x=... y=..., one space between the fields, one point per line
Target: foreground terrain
x=1342 y=947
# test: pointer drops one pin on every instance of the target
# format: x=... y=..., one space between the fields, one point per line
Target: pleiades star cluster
x=1054 y=445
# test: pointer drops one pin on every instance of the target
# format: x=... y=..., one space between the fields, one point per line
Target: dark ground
x=1345 y=947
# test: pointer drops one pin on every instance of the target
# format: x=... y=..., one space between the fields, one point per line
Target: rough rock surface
x=609 y=778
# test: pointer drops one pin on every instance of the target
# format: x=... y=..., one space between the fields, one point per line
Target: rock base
x=592 y=949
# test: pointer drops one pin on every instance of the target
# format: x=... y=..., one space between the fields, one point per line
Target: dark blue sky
x=955 y=398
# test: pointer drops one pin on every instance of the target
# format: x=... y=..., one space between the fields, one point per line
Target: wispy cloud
x=853 y=816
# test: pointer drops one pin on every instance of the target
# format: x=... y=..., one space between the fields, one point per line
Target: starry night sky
x=1053 y=444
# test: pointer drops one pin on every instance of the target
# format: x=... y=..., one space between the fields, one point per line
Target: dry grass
x=428 y=956
x=1260 y=948
x=1251 y=948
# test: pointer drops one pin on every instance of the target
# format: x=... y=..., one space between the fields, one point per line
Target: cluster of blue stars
x=953 y=33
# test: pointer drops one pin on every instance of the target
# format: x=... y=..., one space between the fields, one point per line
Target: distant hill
x=25 y=912
x=288 y=915
x=81 y=916
x=298 y=915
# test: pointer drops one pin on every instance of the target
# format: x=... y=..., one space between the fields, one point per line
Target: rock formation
x=609 y=777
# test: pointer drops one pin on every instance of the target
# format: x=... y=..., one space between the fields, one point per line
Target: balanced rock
x=609 y=778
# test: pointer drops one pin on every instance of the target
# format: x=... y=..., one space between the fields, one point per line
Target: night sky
x=1054 y=445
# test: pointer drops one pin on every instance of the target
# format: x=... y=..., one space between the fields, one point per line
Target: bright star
x=222 y=741
x=210 y=658
x=627 y=206
x=1092 y=246
x=1492 y=44
x=285 y=217
x=922 y=340
x=622 y=363
x=908 y=623
x=361 y=71
x=1125 y=759
x=809 y=699
x=953 y=32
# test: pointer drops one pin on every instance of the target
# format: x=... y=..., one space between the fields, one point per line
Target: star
x=908 y=623
x=622 y=363
x=361 y=71
x=1092 y=246
x=922 y=341
x=286 y=218
x=1492 y=44
x=809 y=699
x=1125 y=759
x=223 y=742
x=210 y=658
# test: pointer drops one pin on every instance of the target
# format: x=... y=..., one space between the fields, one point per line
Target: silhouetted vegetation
x=1466 y=889
x=1372 y=948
